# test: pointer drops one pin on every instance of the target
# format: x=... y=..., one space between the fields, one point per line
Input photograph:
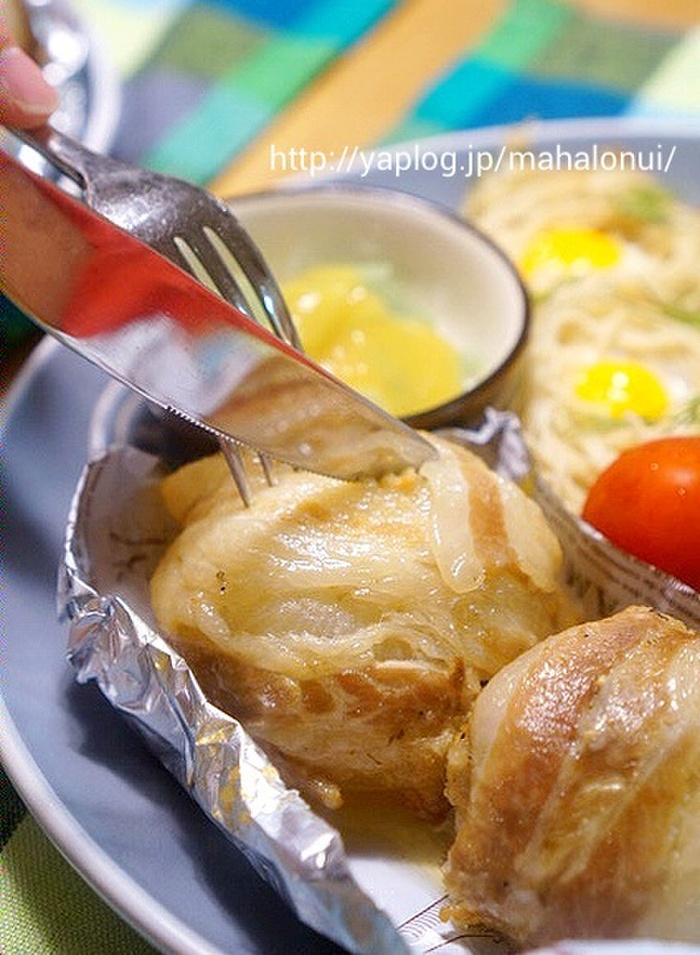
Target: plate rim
x=153 y=921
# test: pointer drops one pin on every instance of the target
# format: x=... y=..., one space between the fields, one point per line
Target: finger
x=26 y=99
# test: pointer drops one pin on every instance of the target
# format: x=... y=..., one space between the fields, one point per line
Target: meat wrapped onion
x=351 y=625
x=576 y=784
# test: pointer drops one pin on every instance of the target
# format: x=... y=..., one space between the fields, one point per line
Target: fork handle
x=65 y=154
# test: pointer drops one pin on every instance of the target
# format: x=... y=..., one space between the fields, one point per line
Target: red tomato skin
x=647 y=502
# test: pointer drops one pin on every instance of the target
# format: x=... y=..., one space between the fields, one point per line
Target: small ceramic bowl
x=456 y=277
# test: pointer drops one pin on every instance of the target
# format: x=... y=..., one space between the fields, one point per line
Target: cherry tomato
x=648 y=504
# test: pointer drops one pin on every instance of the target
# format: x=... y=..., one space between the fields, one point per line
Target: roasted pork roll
x=576 y=783
x=350 y=625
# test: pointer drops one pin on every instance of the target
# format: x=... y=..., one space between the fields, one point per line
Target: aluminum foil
x=116 y=533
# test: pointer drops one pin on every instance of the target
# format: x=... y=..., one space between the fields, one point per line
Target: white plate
x=101 y=797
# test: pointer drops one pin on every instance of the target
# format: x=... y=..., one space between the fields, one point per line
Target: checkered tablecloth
x=204 y=79
x=547 y=60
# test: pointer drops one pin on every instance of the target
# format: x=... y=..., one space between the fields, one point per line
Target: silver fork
x=185 y=224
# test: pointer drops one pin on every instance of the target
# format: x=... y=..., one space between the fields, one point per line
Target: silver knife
x=153 y=327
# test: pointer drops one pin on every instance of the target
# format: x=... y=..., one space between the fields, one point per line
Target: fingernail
x=24 y=82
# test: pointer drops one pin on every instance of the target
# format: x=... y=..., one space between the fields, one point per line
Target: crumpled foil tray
x=116 y=532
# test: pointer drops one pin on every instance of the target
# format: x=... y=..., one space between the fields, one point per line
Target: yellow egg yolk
x=620 y=387
x=400 y=363
x=570 y=252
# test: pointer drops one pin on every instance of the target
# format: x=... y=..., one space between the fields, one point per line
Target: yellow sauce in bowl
x=399 y=362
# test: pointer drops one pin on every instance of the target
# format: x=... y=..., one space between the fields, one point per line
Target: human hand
x=26 y=99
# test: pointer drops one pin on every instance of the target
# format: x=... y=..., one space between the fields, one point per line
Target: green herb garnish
x=646 y=203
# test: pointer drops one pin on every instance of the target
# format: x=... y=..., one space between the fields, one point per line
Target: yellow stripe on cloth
x=676 y=86
x=359 y=99
x=128 y=34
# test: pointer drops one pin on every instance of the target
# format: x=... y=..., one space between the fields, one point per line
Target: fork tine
x=218 y=274
x=194 y=253
x=236 y=466
x=267 y=469
x=248 y=268
x=264 y=302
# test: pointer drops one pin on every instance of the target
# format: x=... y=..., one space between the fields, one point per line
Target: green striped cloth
x=546 y=60
x=45 y=907
x=189 y=114
x=200 y=81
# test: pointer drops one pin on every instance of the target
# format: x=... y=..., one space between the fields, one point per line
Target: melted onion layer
x=351 y=625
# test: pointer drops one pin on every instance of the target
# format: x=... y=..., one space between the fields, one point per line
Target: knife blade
x=155 y=328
